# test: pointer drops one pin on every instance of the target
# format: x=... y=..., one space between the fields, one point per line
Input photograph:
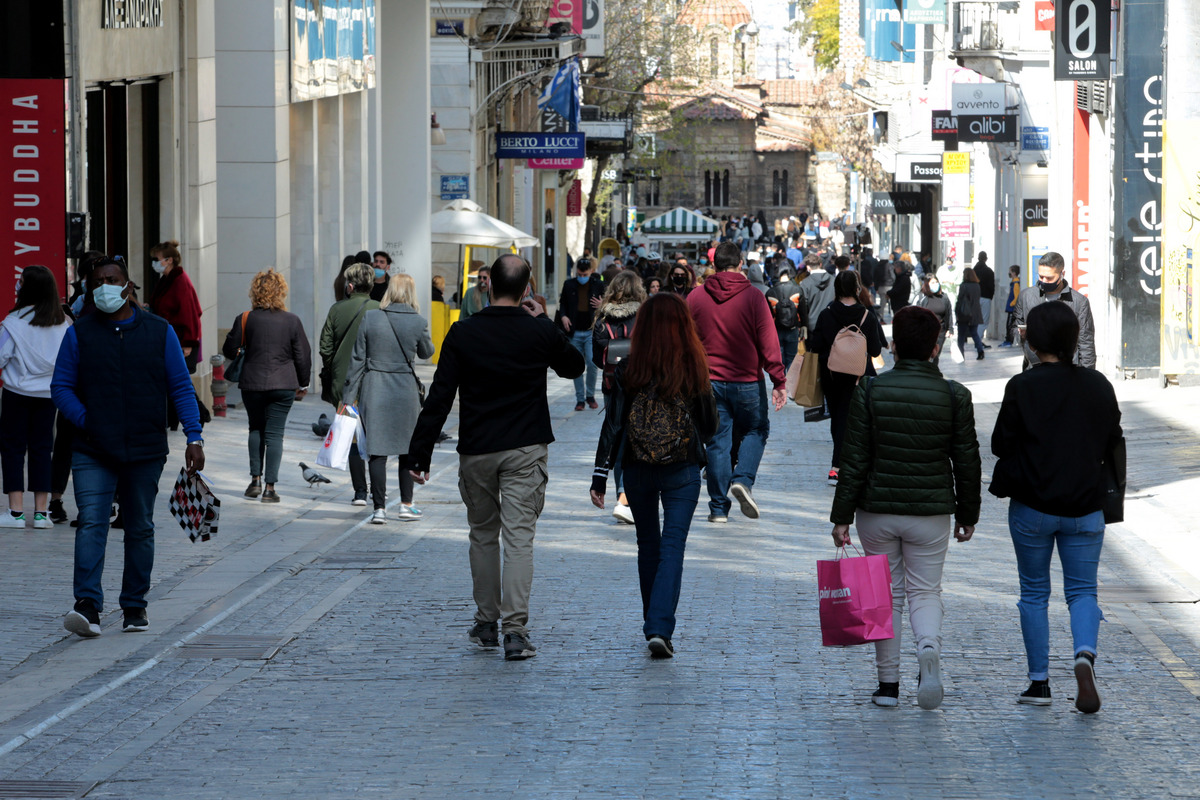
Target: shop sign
x=987 y=128
x=456 y=187
x=1035 y=138
x=944 y=127
x=1082 y=41
x=448 y=27
x=575 y=199
x=977 y=98
x=131 y=14
x=1035 y=213
x=526 y=145
x=1180 y=244
x=954 y=225
x=925 y=12
x=919 y=168
x=956 y=180
x=33 y=179
x=1043 y=11
x=895 y=202
x=593 y=28
x=554 y=163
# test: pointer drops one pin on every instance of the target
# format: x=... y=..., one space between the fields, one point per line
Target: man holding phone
x=1052 y=286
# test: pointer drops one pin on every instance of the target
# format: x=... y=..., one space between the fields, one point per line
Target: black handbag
x=1114 y=483
x=233 y=370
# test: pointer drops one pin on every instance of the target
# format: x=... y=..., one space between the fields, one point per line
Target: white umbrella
x=464 y=222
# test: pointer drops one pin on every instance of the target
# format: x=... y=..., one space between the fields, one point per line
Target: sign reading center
x=539 y=145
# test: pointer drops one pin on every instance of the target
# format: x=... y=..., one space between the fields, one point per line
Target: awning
x=681 y=225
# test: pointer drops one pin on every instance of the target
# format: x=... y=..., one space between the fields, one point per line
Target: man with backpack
x=738 y=333
x=790 y=313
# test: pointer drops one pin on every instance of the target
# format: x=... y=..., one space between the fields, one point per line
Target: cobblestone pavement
x=375 y=691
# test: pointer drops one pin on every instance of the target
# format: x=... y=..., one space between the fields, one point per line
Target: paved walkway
x=374 y=690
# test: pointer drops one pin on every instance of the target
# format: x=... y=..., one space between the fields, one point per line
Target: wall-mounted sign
x=895 y=202
x=456 y=187
x=1035 y=138
x=1035 y=213
x=1082 y=40
x=956 y=180
x=131 y=14
x=1043 y=15
x=525 y=145
x=919 y=168
x=954 y=225
x=448 y=27
x=33 y=180
x=944 y=127
x=593 y=28
x=925 y=12
x=575 y=199
x=987 y=128
x=977 y=98
x=555 y=163
x=333 y=47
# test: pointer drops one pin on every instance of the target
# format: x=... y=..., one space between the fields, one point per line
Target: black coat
x=987 y=280
x=495 y=361
x=568 y=303
x=277 y=356
x=1057 y=425
x=967 y=310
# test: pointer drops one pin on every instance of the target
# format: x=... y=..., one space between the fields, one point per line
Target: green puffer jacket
x=910 y=453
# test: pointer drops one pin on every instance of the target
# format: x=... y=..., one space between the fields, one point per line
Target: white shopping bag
x=335 y=450
x=955 y=354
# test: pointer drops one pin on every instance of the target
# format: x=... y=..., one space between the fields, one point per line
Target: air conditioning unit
x=1092 y=96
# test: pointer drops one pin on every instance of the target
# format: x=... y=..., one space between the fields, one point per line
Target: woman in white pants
x=910 y=475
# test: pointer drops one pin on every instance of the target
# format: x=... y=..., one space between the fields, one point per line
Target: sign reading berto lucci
x=539 y=145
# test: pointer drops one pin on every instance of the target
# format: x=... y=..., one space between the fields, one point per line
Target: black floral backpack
x=659 y=431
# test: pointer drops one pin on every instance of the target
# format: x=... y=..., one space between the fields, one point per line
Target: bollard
x=220 y=387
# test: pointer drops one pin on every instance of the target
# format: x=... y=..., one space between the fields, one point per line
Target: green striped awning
x=680 y=220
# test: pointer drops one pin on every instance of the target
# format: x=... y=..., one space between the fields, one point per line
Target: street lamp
x=436 y=134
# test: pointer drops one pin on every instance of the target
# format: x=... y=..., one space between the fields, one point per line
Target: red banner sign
x=1081 y=224
x=554 y=163
x=33 y=180
x=1044 y=10
x=575 y=199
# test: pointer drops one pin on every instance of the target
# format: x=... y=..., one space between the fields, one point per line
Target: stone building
x=732 y=143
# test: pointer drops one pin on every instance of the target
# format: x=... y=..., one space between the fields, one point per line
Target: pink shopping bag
x=855 y=599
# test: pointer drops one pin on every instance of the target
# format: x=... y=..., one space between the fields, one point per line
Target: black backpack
x=787 y=316
x=659 y=431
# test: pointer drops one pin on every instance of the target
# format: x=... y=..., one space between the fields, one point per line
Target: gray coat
x=380 y=379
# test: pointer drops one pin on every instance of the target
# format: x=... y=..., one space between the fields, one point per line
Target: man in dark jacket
x=496 y=362
x=117 y=370
x=901 y=289
x=1052 y=285
x=790 y=313
x=577 y=306
x=734 y=322
x=987 y=290
x=911 y=475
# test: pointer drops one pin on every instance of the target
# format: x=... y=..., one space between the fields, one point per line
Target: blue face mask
x=582 y=278
x=108 y=298
x=379 y=273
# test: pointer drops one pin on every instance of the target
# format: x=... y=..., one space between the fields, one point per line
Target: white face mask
x=158 y=266
x=935 y=287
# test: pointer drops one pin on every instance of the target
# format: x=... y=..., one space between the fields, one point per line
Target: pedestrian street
x=364 y=684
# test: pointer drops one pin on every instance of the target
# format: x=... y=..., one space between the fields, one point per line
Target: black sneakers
x=485 y=634
x=58 y=514
x=660 y=647
x=1087 y=699
x=887 y=695
x=517 y=647
x=83 y=620
x=135 y=620
x=1038 y=694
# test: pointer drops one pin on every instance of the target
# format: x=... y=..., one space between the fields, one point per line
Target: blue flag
x=564 y=93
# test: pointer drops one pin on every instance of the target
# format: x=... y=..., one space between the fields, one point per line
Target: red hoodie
x=734 y=322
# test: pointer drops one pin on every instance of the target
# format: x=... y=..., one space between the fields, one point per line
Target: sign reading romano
x=539 y=145
x=987 y=128
x=895 y=202
x=1082 y=40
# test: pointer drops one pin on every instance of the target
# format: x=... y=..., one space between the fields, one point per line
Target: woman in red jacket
x=174 y=299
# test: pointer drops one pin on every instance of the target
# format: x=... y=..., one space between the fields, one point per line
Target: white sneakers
x=7 y=520
x=621 y=513
x=379 y=517
x=930 y=692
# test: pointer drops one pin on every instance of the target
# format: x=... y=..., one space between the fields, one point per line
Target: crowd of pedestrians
x=684 y=356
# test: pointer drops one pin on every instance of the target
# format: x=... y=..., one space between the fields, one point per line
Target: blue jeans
x=742 y=406
x=660 y=547
x=1079 y=540
x=973 y=331
x=96 y=483
x=582 y=341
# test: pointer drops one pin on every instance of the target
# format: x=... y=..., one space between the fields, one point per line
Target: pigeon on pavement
x=312 y=476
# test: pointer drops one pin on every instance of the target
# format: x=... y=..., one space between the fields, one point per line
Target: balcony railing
x=986 y=26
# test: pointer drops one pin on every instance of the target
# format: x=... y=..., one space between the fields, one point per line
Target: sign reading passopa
x=1082 y=40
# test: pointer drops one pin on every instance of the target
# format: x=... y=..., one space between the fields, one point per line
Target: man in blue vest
x=117 y=369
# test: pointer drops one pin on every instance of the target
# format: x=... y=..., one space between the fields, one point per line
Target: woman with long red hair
x=659 y=418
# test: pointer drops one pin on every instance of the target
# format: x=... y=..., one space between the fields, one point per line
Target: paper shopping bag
x=855 y=596
x=195 y=506
x=808 y=385
x=335 y=449
x=792 y=380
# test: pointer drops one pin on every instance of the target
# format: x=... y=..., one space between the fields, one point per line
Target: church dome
x=699 y=14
